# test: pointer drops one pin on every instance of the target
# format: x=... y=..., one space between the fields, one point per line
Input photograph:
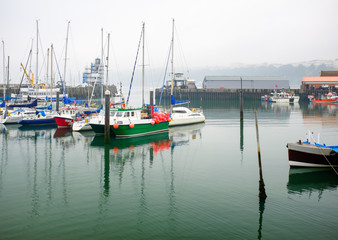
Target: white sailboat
x=181 y=115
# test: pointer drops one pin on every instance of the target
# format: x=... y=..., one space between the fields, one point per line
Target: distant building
x=254 y=82
x=180 y=81
x=94 y=74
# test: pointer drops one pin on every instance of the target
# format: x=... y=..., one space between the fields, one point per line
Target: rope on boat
x=320 y=148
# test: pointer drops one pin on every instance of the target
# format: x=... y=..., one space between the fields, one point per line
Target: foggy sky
x=208 y=33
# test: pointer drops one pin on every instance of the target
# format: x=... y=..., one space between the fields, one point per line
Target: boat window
x=132 y=114
x=127 y=114
x=119 y=114
x=179 y=111
x=112 y=114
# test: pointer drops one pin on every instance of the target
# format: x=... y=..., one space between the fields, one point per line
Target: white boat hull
x=81 y=126
x=184 y=116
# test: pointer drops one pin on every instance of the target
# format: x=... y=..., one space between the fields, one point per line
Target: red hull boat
x=63 y=121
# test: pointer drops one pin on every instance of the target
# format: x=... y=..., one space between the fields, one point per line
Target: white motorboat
x=184 y=116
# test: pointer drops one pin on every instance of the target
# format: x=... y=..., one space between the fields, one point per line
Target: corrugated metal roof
x=244 y=78
x=320 y=80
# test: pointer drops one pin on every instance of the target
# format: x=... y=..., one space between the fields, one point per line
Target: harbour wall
x=195 y=95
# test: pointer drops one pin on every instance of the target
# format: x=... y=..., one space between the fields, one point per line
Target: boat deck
x=334 y=148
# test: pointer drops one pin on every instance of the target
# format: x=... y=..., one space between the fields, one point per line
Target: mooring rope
x=321 y=149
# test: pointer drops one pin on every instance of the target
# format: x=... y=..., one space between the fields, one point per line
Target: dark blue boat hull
x=40 y=121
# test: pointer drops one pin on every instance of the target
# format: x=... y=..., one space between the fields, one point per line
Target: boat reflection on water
x=309 y=180
x=184 y=134
x=157 y=141
x=62 y=132
x=322 y=109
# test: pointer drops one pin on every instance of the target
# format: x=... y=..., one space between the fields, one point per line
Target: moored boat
x=132 y=122
x=181 y=115
x=13 y=117
x=81 y=125
x=307 y=154
x=331 y=97
x=66 y=116
x=184 y=116
x=41 y=118
x=283 y=97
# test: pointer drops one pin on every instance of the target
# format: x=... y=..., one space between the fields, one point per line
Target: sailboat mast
x=143 y=31
x=64 y=70
x=51 y=70
x=4 y=67
x=47 y=74
x=7 y=72
x=107 y=61
x=101 y=67
x=172 y=65
x=37 y=60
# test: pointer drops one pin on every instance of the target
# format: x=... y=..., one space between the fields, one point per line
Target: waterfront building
x=327 y=79
x=247 y=82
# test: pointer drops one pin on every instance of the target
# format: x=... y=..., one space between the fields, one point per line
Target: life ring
x=123 y=105
x=193 y=110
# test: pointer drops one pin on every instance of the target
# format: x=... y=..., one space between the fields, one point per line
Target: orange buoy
x=131 y=125
x=152 y=122
x=115 y=125
x=116 y=150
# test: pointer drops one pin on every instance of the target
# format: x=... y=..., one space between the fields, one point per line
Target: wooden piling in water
x=106 y=118
x=262 y=194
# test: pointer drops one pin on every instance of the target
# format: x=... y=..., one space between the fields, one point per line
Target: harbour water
x=196 y=182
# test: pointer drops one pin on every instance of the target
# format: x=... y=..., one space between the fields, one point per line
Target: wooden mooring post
x=107 y=118
x=262 y=194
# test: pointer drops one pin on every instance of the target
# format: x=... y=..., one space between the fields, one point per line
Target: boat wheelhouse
x=132 y=122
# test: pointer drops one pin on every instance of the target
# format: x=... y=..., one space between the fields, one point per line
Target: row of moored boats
x=285 y=97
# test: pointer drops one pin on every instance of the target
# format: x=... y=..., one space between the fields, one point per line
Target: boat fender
x=131 y=125
x=115 y=125
x=123 y=105
x=193 y=110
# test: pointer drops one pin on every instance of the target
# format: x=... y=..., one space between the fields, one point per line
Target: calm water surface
x=197 y=182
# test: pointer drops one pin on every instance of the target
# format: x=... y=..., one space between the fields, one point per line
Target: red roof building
x=319 y=82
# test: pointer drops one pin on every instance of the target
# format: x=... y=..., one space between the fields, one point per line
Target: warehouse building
x=254 y=82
